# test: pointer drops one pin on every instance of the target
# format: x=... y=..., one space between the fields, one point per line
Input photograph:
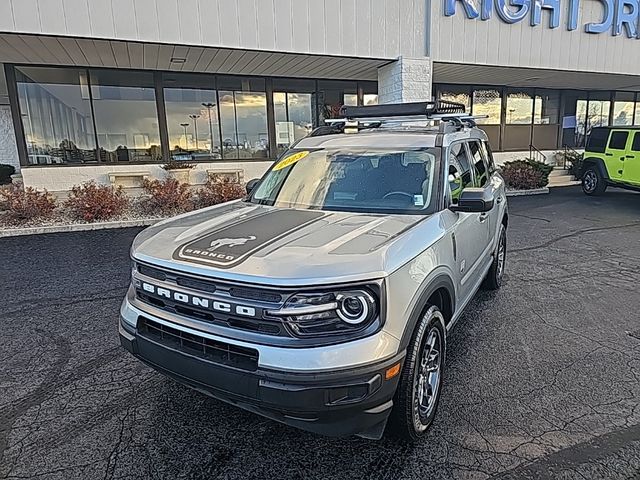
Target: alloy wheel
x=590 y=181
x=428 y=376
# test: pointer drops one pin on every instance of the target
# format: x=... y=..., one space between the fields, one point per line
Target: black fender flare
x=442 y=280
x=595 y=162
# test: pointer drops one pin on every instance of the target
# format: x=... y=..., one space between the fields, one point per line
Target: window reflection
x=519 y=108
x=487 y=102
x=547 y=107
x=332 y=95
x=126 y=116
x=623 y=108
x=192 y=123
x=457 y=94
x=56 y=115
x=293 y=115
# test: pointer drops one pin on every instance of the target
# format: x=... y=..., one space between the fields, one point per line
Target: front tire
x=592 y=182
x=416 y=399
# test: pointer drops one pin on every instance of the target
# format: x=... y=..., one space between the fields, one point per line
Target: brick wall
x=405 y=80
x=8 y=149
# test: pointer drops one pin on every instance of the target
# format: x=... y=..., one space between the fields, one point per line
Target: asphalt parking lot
x=543 y=378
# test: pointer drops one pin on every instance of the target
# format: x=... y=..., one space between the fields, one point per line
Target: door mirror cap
x=474 y=200
x=251 y=185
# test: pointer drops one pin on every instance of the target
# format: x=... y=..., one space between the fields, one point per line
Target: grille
x=151 y=272
x=253 y=294
x=212 y=350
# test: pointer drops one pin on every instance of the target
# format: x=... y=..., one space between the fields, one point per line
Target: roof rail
x=416 y=109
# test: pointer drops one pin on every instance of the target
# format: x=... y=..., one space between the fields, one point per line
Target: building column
x=8 y=148
x=405 y=80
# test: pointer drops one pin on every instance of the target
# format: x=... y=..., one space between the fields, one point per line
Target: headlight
x=329 y=313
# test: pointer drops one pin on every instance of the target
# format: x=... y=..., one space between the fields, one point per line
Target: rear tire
x=416 y=399
x=592 y=181
x=493 y=280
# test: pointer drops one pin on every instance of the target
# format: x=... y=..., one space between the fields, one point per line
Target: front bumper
x=341 y=402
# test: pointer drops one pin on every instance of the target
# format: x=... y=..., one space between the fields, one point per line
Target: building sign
x=617 y=15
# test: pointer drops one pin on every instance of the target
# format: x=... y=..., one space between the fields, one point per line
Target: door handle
x=631 y=156
x=609 y=154
x=499 y=199
x=620 y=172
x=483 y=217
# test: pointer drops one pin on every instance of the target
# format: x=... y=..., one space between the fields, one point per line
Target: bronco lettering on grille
x=198 y=301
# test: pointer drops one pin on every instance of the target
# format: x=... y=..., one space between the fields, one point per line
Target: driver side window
x=459 y=176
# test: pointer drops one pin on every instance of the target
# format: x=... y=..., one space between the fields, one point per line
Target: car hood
x=282 y=246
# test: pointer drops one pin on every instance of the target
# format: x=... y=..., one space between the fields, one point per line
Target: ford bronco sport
x=612 y=157
x=324 y=298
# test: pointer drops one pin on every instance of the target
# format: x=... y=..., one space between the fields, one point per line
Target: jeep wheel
x=416 y=400
x=592 y=182
x=493 y=280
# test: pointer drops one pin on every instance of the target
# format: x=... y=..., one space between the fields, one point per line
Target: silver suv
x=324 y=298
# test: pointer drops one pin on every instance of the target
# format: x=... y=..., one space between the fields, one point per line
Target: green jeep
x=612 y=157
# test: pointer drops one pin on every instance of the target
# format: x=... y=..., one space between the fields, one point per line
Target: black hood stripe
x=228 y=246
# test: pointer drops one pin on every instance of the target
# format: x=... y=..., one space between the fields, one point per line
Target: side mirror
x=251 y=185
x=474 y=200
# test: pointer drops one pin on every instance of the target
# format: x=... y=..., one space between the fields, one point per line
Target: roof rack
x=416 y=109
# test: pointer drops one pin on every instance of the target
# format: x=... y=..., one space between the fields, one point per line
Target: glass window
x=519 y=107
x=623 y=108
x=294 y=117
x=480 y=163
x=332 y=95
x=547 y=107
x=460 y=176
x=358 y=180
x=598 y=112
x=192 y=123
x=597 y=141
x=369 y=92
x=243 y=117
x=636 y=142
x=455 y=93
x=126 y=116
x=56 y=115
x=618 y=140
x=487 y=102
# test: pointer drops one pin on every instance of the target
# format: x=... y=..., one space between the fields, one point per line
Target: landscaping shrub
x=526 y=174
x=23 y=205
x=218 y=191
x=5 y=173
x=574 y=164
x=166 y=197
x=91 y=202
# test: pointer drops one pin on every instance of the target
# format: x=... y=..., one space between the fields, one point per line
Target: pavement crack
x=573 y=234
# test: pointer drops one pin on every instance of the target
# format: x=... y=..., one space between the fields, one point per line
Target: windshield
x=358 y=180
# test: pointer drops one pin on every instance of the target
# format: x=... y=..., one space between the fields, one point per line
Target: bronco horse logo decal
x=229 y=242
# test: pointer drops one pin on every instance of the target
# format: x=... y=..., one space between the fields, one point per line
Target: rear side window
x=598 y=140
x=636 y=142
x=618 y=140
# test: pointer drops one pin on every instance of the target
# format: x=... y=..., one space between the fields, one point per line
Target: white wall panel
x=26 y=15
x=51 y=16
x=376 y=28
x=266 y=24
x=167 y=11
x=147 y=20
x=189 y=21
x=248 y=21
x=103 y=24
x=124 y=18
x=77 y=18
x=493 y=42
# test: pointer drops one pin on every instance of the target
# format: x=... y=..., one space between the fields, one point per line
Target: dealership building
x=110 y=90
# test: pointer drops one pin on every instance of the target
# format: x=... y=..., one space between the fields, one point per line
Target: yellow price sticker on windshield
x=290 y=160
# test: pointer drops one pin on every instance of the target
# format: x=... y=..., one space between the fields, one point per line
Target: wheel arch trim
x=442 y=280
x=598 y=163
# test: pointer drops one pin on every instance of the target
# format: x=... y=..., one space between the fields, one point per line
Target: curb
x=77 y=227
x=525 y=193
